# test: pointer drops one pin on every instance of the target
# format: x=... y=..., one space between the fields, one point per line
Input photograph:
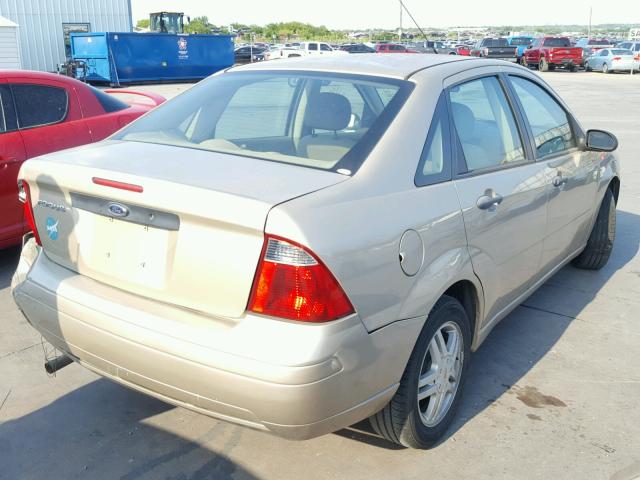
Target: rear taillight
x=292 y=283
x=616 y=58
x=24 y=194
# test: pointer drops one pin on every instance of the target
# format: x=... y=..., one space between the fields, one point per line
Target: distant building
x=43 y=26
x=10 y=57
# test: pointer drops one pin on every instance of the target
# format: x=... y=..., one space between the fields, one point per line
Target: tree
x=198 y=25
x=144 y=23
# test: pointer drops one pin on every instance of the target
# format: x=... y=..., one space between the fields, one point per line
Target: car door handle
x=5 y=162
x=559 y=181
x=488 y=200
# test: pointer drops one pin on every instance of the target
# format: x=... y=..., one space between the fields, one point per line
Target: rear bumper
x=296 y=381
x=626 y=65
x=565 y=62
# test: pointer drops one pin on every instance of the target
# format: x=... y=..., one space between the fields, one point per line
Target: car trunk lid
x=190 y=235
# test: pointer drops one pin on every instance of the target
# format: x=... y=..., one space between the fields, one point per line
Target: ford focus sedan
x=301 y=246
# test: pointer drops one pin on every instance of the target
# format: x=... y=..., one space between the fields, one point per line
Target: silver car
x=609 y=60
x=298 y=246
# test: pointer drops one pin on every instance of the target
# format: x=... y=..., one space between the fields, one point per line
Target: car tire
x=407 y=420
x=572 y=68
x=600 y=243
x=605 y=68
x=543 y=66
x=588 y=68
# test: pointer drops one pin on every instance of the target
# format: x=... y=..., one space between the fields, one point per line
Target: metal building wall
x=40 y=25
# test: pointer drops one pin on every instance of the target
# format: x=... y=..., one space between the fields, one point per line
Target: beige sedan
x=299 y=245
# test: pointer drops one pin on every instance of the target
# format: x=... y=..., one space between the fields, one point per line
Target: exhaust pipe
x=58 y=363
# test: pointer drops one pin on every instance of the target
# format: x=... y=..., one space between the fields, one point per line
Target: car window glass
x=313 y=46
x=325 y=48
x=39 y=104
x=300 y=118
x=434 y=157
x=485 y=124
x=435 y=162
x=108 y=102
x=8 y=120
x=604 y=53
x=548 y=120
x=4 y=99
x=257 y=110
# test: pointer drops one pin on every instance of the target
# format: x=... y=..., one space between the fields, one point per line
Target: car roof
x=35 y=75
x=392 y=66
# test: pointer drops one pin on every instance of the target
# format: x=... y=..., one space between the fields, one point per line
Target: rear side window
x=548 y=121
x=108 y=102
x=485 y=124
x=325 y=48
x=39 y=105
x=435 y=163
x=313 y=46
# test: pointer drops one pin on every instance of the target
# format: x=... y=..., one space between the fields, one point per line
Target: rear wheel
x=543 y=66
x=605 y=68
x=587 y=67
x=572 y=68
x=600 y=242
x=430 y=389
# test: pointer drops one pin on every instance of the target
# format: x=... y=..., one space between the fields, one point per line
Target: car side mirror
x=601 y=141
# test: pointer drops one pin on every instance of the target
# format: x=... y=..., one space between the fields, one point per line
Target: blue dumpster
x=122 y=57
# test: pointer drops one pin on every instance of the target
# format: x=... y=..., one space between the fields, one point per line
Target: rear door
x=12 y=154
x=572 y=174
x=502 y=190
x=49 y=116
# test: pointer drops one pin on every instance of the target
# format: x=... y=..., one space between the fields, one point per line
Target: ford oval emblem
x=118 y=210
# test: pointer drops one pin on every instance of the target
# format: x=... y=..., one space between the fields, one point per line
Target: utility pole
x=590 y=15
x=400 y=30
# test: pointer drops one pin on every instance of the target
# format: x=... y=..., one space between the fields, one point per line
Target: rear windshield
x=317 y=120
x=621 y=52
x=599 y=42
x=557 y=42
x=495 y=42
x=520 y=41
x=108 y=102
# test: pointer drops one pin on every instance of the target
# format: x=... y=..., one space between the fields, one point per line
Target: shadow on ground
x=99 y=431
x=8 y=263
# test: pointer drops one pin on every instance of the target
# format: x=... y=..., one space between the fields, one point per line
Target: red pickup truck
x=547 y=53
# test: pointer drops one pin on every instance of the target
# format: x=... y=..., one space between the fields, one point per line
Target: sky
x=357 y=14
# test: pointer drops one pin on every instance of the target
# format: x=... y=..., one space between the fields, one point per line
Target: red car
x=43 y=113
x=393 y=48
x=463 y=50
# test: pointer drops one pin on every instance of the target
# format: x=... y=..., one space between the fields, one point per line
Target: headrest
x=464 y=119
x=328 y=111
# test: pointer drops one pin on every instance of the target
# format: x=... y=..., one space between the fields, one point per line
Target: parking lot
x=552 y=393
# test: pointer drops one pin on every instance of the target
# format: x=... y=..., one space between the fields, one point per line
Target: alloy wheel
x=440 y=373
